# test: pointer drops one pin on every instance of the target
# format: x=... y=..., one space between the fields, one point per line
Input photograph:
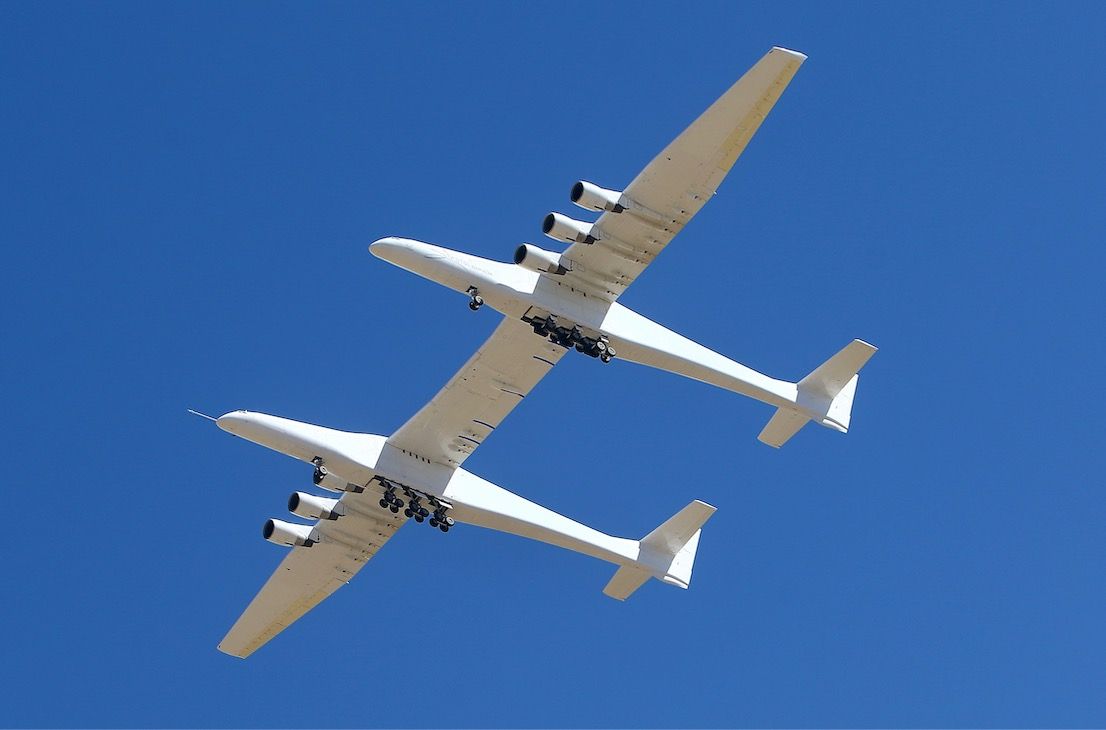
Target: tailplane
x=824 y=396
x=667 y=553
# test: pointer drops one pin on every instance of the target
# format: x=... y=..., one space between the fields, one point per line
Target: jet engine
x=592 y=197
x=315 y=508
x=280 y=532
x=562 y=228
x=529 y=256
x=325 y=480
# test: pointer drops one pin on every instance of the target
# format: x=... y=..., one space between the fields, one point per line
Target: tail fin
x=667 y=553
x=826 y=396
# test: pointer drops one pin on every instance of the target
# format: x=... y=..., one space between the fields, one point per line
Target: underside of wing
x=309 y=574
x=680 y=180
x=475 y=400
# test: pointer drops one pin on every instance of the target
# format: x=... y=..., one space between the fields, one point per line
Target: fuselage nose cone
x=384 y=246
x=231 y=421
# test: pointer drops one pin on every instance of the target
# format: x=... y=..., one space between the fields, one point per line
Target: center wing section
x=680 y=180
x=475 y=400
x=309 y=574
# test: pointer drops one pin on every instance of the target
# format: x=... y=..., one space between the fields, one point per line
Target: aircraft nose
x=234 y=421
x=384 y=246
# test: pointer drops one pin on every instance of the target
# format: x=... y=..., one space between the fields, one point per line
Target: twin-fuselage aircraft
x=553 y=303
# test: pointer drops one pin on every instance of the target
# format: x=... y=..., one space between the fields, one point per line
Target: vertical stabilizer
x=667 y=553
x=825 y=395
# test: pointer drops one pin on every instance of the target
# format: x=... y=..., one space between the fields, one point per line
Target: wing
x=310 y=574
x=475 y=400
x=680 y=180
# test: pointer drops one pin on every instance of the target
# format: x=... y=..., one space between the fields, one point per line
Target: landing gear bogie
x=572 y=338
x=414 y=508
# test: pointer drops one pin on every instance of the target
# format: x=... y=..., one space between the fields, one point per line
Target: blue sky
x=188 y=195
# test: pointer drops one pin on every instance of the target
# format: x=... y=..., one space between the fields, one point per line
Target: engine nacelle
x=280 y=532
x=529 y=256
x=325 y=480
x=315 y=508
x=562 y=228
x=592 y=197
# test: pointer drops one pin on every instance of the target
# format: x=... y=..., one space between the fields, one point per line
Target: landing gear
x=572 y=337
x=414 y=508
x=440 y=518
x=475 y=300
x=414 y=505
x=320 y=470
x=390 y=501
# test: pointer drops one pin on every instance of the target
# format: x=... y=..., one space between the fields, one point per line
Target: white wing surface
x=310 y=574
x=475 y=400
x=680 y=180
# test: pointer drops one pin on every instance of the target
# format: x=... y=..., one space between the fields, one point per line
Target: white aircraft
x=570 y=297
x=553 y=303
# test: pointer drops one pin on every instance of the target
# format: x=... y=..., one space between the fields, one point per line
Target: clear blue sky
x=188 y=193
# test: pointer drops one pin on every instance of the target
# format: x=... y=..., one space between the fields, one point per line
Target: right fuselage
x=369 y=461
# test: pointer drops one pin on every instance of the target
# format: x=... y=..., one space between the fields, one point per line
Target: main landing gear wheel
x=390 y=501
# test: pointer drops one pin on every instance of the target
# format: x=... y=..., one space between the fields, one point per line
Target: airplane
x=570 y=298
x=554 y=303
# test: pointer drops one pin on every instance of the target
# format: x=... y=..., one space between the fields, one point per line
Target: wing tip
x=236 y=653
x=800 y=57
x=231 y=653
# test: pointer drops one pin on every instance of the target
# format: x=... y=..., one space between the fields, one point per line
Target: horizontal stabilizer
x=785 y=424
x=626 y=580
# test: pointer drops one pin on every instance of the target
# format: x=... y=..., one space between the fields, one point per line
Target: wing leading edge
x=681 y=179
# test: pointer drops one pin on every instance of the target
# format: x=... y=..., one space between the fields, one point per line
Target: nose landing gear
x=475 y=300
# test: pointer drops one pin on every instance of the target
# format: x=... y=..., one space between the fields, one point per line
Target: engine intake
x=562 y=228
x=592 y=197
x=529 y=256
x=280 y=532
x=315 y=508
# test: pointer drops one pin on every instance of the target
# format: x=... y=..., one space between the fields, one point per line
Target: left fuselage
x=518 y=292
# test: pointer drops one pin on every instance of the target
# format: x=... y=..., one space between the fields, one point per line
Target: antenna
x=201 y=415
